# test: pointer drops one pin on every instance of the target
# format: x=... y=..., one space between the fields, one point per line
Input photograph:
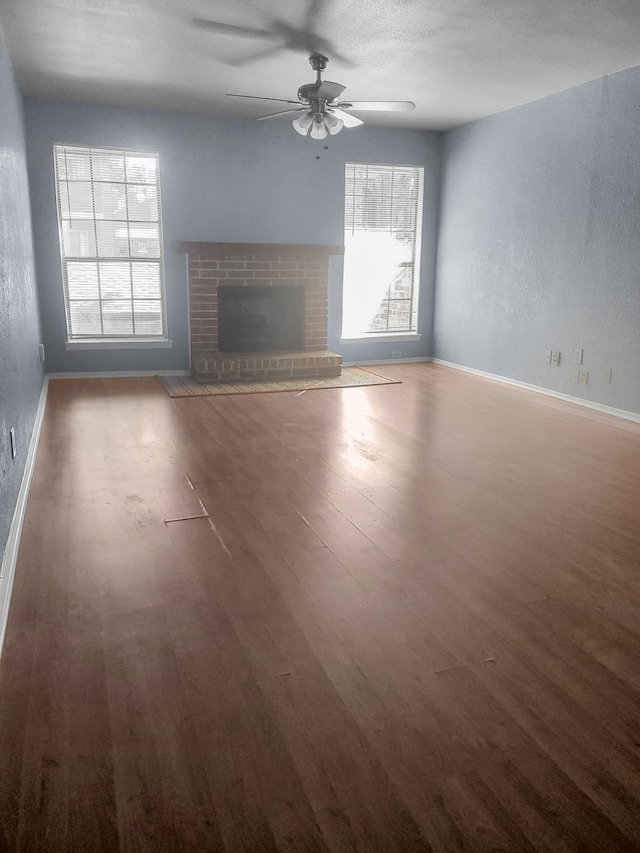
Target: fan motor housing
x=308 y=92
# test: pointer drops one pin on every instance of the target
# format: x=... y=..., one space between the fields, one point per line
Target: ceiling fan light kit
x=318 y=126
x=319 y=112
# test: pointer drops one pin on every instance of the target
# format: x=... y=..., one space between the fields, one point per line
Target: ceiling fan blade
x=233 y=29
x=330 y=91
x=340 y=57
x=261 y=98
x=300 y=109
x=313 y=13
x=315 y=43
x=381 y=106
x=347 y=119
x=261 y=54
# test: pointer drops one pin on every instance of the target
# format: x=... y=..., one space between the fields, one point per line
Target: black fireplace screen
x=261 y=319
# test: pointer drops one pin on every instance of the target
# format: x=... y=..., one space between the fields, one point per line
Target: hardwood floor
x=399 y=618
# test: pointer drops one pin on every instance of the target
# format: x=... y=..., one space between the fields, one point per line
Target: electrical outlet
x=547 y=356
x=576 y=374
x=578 y=355
x=396 y=353
x=41 y=353
x=12 y=441
x=584 y=377
x=555 y=358
x=606 y=376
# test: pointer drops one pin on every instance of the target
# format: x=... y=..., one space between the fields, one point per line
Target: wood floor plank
x=92 y=801
x=46 y=766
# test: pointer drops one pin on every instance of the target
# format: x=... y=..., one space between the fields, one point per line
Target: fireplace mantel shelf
x=292 y=251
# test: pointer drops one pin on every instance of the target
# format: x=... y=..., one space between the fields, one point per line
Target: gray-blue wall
x=222 y=179
x=20 y=373
x=539 y=244
x=538 y=226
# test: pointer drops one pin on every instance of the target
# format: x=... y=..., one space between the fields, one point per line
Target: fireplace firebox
x=261 y=319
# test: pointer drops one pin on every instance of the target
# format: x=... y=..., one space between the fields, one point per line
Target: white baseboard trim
x=115 y=374
x=8 y=568
x=387 y=361
x=568 y=398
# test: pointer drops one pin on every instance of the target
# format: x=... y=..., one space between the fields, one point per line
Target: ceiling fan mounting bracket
x=318 y=62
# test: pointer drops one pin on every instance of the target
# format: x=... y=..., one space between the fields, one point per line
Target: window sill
x=389 y=337
x=114 y=343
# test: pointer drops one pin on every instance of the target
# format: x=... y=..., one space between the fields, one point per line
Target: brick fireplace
x=252 y=266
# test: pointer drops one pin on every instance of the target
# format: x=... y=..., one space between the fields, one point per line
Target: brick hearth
x=214 y=265
x=248 y=367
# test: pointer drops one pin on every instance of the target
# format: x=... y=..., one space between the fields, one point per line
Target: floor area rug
x=186 y=386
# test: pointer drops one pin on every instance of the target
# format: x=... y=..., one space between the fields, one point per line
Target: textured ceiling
x=457 y=59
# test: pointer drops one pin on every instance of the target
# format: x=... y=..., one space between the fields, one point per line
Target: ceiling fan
x=318 y=110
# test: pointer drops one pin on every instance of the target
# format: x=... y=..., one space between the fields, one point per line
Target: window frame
x=110 y=341
x=390 y=335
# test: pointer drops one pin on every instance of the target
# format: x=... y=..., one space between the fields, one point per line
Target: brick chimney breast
x=214 y=265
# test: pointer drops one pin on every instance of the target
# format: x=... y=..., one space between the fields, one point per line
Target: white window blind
x=383 y=225
x=110 y=242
